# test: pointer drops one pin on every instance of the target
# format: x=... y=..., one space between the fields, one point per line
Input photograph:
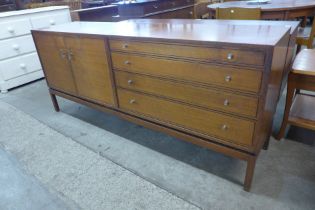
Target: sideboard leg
x=55 y=102
x=251 y=162
x=266 y=144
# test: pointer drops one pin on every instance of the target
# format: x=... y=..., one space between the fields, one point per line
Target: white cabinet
x=19 y=62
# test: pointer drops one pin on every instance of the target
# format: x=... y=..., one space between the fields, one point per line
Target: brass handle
x=70 y=55
x=62 y=54
x=226 y=102
x=130 y=82
x=228 y=78
x=230 y=56
x=125 y=46
x=127 y=62
x=132 y=101
x=224 y=127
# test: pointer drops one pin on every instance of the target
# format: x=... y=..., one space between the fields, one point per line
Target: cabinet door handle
x=125 y=46
x=130 y=82
x=132 y=101
x=228 y=78
x=70 y=55
x=62 y=54
x=127 y=62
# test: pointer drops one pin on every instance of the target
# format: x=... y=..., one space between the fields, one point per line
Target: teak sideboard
x=214 y=85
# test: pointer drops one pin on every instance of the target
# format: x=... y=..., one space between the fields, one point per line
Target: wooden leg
x=298 y=48
x=288 y=103
x=304 y=22
x=266 y=144
x=55 y=102
x=251 y=162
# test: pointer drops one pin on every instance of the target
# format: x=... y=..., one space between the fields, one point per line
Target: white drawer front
x=15 y=28
x=46 y=21
x=16 y=46
x=18 y=66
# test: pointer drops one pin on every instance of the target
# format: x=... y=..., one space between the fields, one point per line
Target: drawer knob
x=127 y=62
x=130 y=82
x=228 y=78
x=22 y=66
x=125 y=46
x=132 y=101
x=224 y=127
x=226 y=102
x=11 y=30
x=16 y=47
x=52 y=22
x=230 y=56
x=232 y=11
x=191 y=13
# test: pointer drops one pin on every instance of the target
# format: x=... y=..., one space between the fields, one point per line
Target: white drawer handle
x=224 y=127
x=228 y=78
x=11 y=30
x=52 y=22
x=226 y=102
x=16 y=47
x=22 y=66
x=230 y=56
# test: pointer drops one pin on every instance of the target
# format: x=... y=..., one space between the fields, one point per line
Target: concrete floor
x=284 y=176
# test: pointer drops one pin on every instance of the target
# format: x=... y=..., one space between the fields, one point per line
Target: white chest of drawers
x=19 y=62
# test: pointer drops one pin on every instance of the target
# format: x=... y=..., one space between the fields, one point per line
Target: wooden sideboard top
x=267 y=33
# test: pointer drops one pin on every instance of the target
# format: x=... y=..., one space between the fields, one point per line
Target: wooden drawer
x=246 y=80
x=232 y=129
x=200 y=96
x=15 y=28
x=190 y=52
x=18 y=66
x=47 y=21
x=16 y=46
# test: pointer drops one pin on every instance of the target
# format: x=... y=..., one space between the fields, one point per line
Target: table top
x=222 y=31
x=274 y=5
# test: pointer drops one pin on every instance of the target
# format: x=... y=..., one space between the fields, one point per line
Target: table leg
x=288 y=103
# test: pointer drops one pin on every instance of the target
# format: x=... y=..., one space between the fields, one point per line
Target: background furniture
x=234 y=13
x=156 y=9
x=276 y=9
x=299 y=108
x=19 y=62
x=7 y=5
x=218 y=91
x=305 y=37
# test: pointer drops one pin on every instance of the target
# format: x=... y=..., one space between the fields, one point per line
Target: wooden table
x=276 y=9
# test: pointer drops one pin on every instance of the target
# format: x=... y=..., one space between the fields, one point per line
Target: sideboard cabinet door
x=53 y=55
x=90 y=68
